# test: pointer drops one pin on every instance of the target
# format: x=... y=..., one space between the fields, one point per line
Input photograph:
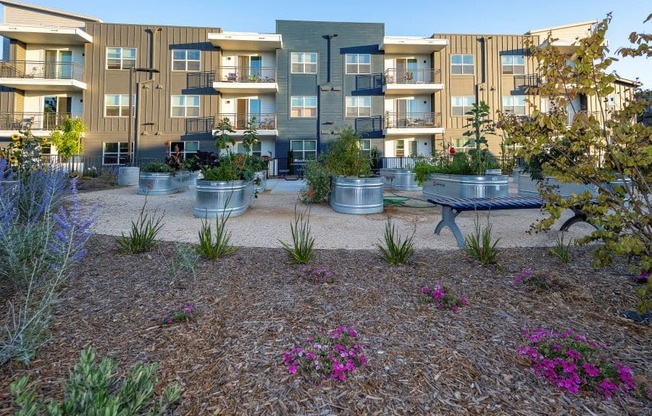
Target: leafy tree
x=608 y=149
x=479 y=123
x=223 y=137
x=68 y=139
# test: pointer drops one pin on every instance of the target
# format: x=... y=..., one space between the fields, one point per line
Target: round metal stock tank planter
x=151 y=183
x=128 y=175
x=400 y=179
x=216 y=198
x=466 y=186
x=259 y=186
x=357 y=195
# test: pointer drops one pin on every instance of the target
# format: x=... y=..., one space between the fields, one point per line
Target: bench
x=452 y=207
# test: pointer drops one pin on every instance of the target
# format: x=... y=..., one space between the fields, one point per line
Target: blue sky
x=413 y=18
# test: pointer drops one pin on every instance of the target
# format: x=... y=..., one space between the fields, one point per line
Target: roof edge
x=548 y=29
x=49 y=10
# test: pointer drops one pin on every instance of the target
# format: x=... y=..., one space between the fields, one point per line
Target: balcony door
x=405 y=111
x=54 y=110
x=246 y=109
x=250 y=68
x=406 y=70
x=58 y=64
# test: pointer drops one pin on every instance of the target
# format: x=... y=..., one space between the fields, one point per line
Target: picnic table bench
x=452 y=207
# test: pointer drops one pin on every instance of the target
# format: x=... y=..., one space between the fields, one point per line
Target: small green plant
x=481 y=245
x=562 y=249
x=443 y=297
x=318 y=182
x=317 y=275
x=302 y=248
x=184 y=260
x=179 y=314
x=94 y=388
x=142 y=237
x=214 y=246
x=396 y=250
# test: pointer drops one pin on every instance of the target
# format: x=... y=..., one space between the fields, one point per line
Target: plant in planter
x=352 y=190
x=159 y=178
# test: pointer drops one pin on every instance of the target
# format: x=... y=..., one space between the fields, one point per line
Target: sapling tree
x=607 y=148
x=68 y=138
x=479 y=124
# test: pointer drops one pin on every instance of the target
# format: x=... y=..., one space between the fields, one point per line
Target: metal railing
x=417 y=76
x=41 y=70
x=412 y=120
x=35 y=121
x=240 y=121
x=246 y=74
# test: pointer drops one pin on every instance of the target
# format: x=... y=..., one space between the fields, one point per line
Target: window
x=461 y=64
x=303 y=149
x=358 y=63
x=117 y=105
x=186 y=60
x=116 y=153
x=185 y=106
x=303 y=106
x=304 y=62
x=186 y=149
x=460 y=105
x=358 y=106
x=120 y=58
x=256 y=149
x=365 y=146
x=514 y=104
x=513 y=64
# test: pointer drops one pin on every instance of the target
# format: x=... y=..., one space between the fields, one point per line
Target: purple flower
x=591 y=370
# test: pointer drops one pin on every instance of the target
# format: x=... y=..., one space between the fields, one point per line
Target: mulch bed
x=421 y=360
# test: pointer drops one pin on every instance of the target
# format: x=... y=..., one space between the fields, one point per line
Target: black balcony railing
x=35 y=121
x=412 y=120
x=240 y=121
x=41 y=70
x=417 y=76
x=528 y=83
x=246 y=74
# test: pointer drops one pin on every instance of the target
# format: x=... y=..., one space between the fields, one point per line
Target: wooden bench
x=452 y=207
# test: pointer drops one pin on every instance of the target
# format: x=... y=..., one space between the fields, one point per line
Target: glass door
x=405 y=111
x=58 y=64
x=406 y=70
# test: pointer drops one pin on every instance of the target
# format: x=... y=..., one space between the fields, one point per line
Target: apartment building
x=143 y=90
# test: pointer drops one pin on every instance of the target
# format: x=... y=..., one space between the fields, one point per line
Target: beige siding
x=19 y=15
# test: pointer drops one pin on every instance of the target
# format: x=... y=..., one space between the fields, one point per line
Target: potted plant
x=466 y=175
x=227 y=186
x=353 y=190
x=159 y=178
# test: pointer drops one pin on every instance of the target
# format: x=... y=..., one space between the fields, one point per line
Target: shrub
x=481 y=245
x=562 y=249
x=157 y=167
x=302 y=248
x=94 y=388
x=396 y=249
x=318 y=182
x=184 y=259
x=213 y=246
x=142 y=237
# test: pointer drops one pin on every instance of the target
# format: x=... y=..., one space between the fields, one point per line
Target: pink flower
x=591 y=370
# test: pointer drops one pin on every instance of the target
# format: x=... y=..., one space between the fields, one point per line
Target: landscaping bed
x=253 y=306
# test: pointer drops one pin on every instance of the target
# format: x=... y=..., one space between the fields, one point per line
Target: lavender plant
x=38 y=245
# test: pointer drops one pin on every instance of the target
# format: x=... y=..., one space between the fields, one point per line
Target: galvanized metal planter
x=466 y=186
x=529 y=187
x=218 y=198
x=260 y=181
x=357 y=195
x=128 y=175
x=400 y=179
x=150 y=183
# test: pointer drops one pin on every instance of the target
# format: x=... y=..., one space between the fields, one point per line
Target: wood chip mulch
x=421 y=360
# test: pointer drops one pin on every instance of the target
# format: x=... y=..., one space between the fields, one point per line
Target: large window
x=460 y=105
x=120 y=58
x=303 y=106
x=115 y=153
x=358 y=63
x=186 y=60
x=303 y=149
x=304 y=62
x=461 y=64
x=256 y=149
x=185 y=106
x=185 y=149
x=358 y=106
x=117 y=105
x=513 y=64
x=514 y=104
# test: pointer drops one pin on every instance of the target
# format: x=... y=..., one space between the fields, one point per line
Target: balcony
x=527 y=84
x=42 y=75
x=254 y=42
x=419 y=81
x=18 y=121
x=412 y=45
x=265 y=123
x=44 y=35
x=244 y=79
x=402 y=124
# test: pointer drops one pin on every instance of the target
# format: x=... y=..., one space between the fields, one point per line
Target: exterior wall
x=487 y=82
x=301 y=36
x=17 y=14
x=155 y=123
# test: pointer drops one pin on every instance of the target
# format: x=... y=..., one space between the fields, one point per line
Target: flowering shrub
x=575 y=363
x=178 y=314
x=329 y=355
x=442 y=297
x=317 y=275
